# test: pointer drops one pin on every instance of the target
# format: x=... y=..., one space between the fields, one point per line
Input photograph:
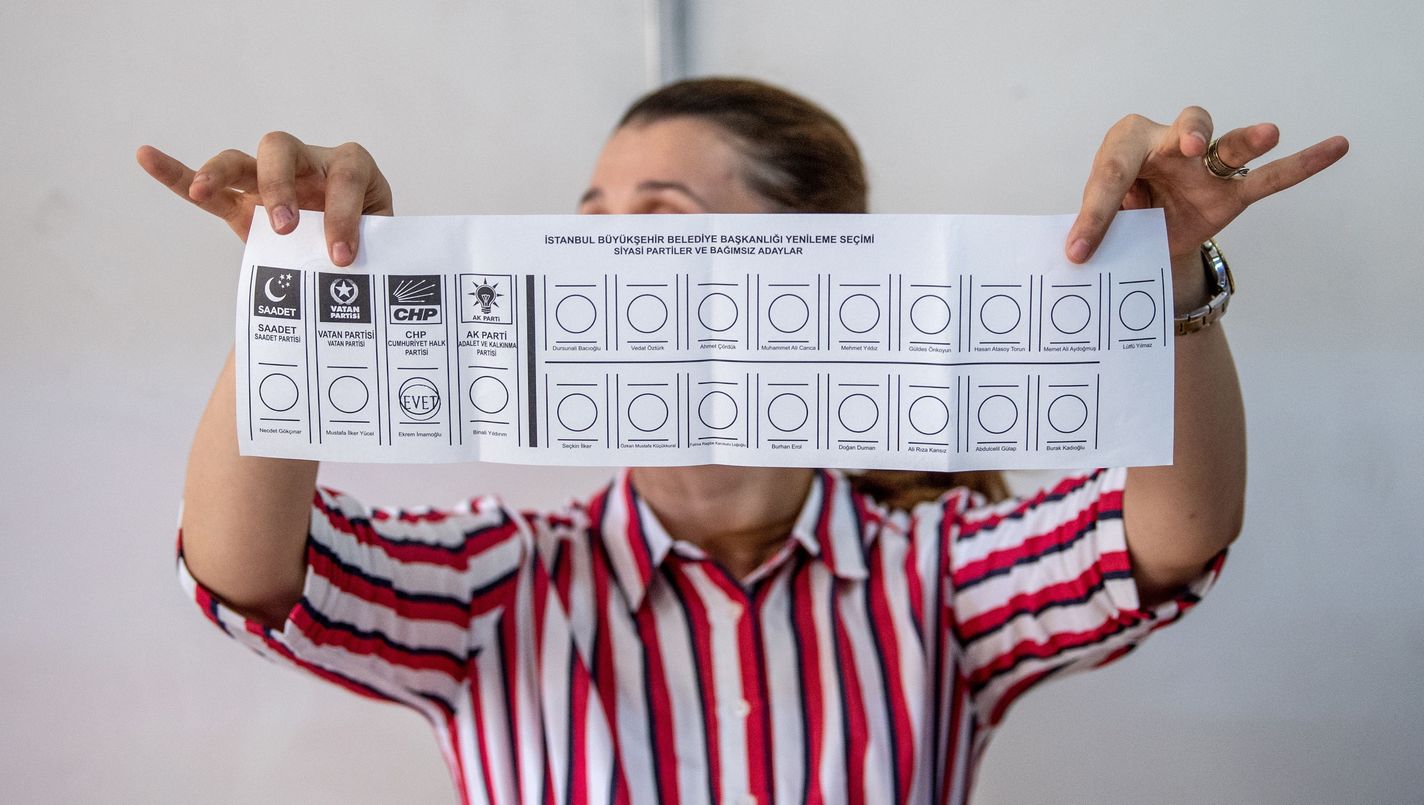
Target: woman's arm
x=1179 y=517
x=245 y=519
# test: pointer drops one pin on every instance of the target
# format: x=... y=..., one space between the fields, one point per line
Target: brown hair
x=800 y=158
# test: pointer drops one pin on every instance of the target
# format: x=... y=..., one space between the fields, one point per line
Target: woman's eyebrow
x=657 y=184
x=649 y=186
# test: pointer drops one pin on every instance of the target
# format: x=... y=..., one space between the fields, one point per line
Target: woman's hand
x=1145 y=164
x=286 y=176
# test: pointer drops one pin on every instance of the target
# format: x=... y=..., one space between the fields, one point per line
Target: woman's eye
x=664 y=208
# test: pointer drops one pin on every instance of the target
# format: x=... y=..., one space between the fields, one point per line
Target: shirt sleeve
x=1043 y=586
x=396 y=604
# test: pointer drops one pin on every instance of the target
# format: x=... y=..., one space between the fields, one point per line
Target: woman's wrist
x=1189 y=286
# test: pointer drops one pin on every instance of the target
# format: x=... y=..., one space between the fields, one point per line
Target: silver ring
x=1218 y=168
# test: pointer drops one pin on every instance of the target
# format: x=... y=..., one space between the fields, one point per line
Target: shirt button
x=743 y=709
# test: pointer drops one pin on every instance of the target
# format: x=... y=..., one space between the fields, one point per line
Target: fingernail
x=199 y=178
x=1199 y=136
x=282 y=218
x=340 y=253
x=1078 y=251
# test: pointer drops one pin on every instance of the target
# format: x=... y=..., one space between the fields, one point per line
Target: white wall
x=1295 y=682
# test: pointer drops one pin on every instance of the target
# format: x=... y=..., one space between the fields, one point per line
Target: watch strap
x=1222 y=286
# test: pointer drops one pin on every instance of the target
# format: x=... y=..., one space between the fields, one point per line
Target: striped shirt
x=585 y=656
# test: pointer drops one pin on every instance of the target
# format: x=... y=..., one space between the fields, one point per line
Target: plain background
x=1296 y=682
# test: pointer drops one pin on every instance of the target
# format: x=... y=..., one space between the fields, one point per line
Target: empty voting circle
x=787 y=412
x=997 y=414
x=1070 y=314
x=576 y=314
x=788 y=313
x=717 y=312
x=1067 y=413
x=929 y=415
x=1137 y=310
x=647 y=313
x=718 y=410
x=278 y=392
x=488 y=394
x=859 y=313
x=1000 y=314
x=930 y=314
x=858 y=413
x=348 y=394
x=648 y=412
x=577 y=412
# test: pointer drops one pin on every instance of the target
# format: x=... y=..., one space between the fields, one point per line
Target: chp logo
x=345 y=298
x=277 y=293
x=484 y=300
x=419 y=399
x=414 y=299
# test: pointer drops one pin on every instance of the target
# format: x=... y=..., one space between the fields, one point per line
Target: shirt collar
x=831 y=527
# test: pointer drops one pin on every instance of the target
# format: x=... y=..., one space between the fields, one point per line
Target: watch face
x=1218 y=272
x=1219 y=277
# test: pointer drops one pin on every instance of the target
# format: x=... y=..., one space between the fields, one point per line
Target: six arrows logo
x=414 y=299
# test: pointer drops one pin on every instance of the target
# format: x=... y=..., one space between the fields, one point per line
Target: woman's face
x=678 y=165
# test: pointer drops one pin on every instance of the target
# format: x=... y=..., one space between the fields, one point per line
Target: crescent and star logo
x=286 y=282
x=278 y=293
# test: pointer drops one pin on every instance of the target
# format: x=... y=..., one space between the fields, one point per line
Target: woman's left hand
x=1146 y=164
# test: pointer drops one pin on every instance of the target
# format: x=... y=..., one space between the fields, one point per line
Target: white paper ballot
x=934 y=342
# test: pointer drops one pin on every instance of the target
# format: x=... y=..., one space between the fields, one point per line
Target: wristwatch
x=1222 y=285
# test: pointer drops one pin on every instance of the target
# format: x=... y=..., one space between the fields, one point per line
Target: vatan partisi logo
x=419 y=399
x=345 y=297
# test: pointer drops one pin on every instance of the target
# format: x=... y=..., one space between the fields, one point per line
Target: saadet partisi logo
x=277 y=293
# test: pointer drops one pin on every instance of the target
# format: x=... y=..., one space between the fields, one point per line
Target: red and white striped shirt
x=585 y=656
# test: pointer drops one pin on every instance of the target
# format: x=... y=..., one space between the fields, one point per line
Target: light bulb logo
x=485 y=294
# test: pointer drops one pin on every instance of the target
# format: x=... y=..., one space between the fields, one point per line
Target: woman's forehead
x=685 y=147
x=695 y=154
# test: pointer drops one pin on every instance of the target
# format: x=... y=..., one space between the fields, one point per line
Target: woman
x=723 y=633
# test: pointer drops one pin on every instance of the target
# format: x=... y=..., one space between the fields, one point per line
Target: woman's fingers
x=1289 y=171
x=179 y=178
x=1192 y=131
x=280 y=157
x=1141 y=162
x=344 y=181
x=350 y=176
x=230 y=169
x=1115 y=168
x=166 y=170
x=1239 y=147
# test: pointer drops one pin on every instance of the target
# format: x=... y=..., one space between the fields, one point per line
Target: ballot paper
x=929 y=342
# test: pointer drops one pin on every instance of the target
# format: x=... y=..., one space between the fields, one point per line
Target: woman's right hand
x=286 y=176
